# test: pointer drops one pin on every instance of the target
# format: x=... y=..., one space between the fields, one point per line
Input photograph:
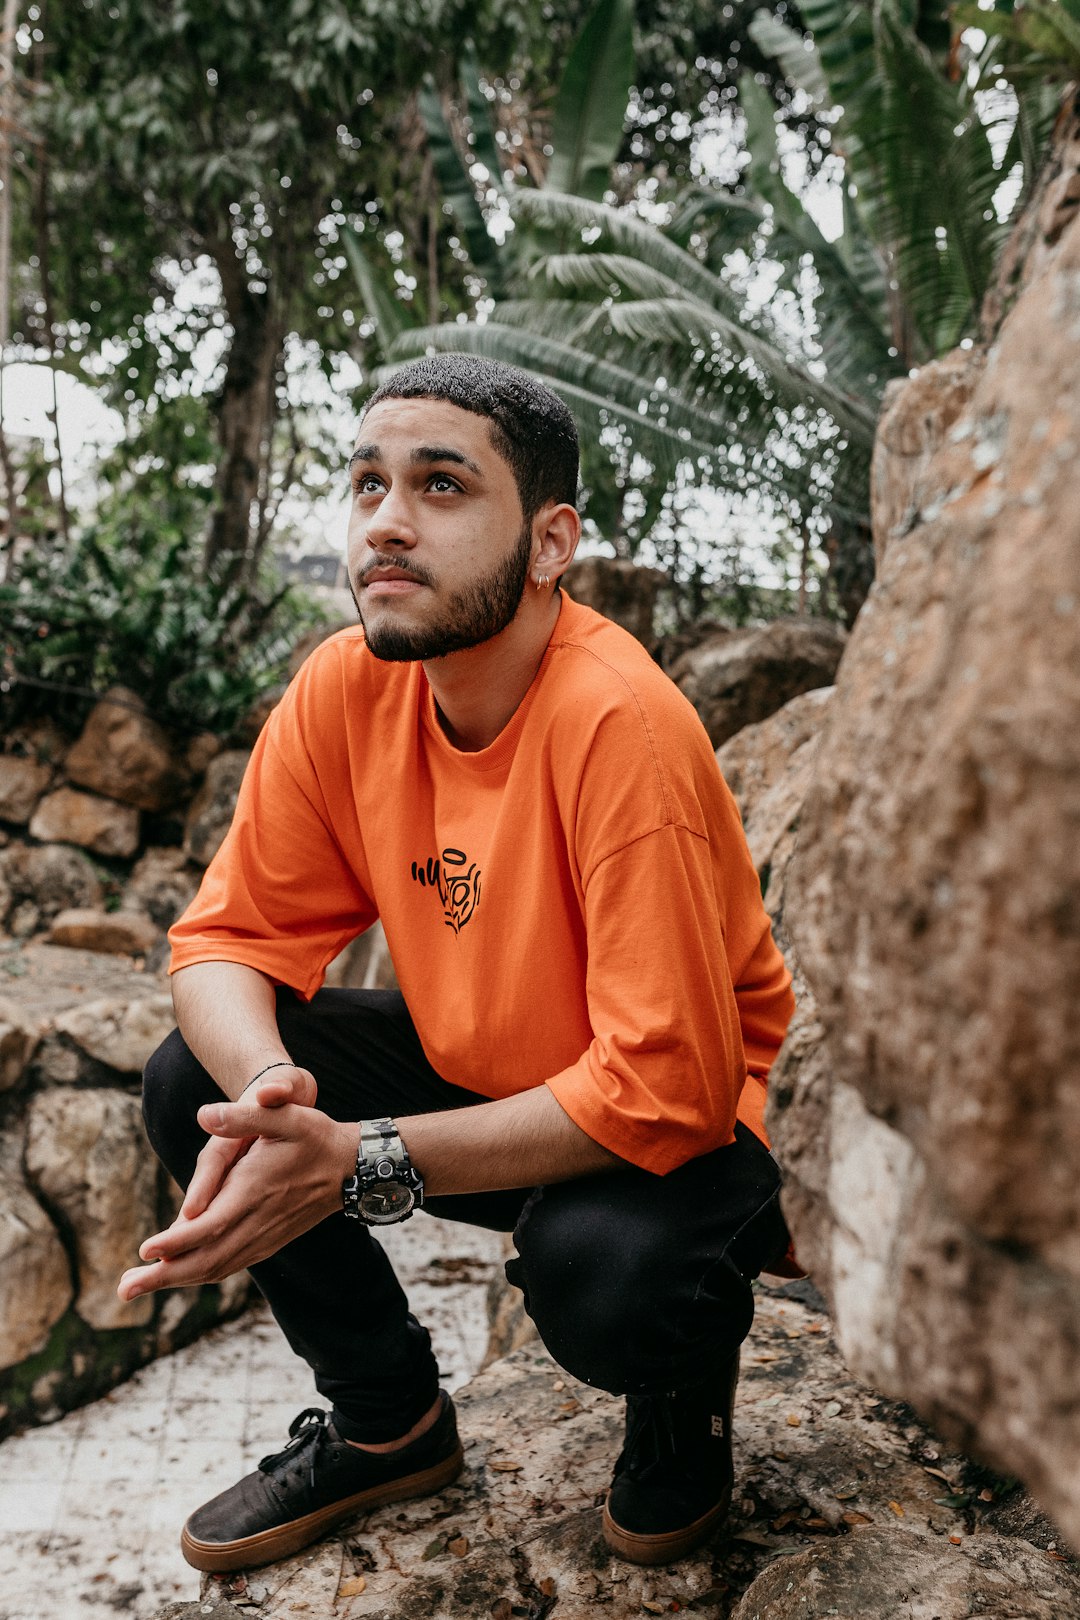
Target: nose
x=390 y=524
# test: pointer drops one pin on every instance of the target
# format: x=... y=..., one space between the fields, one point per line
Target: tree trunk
x=245 y=416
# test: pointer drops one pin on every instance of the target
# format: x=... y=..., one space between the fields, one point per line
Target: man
x=591 y=996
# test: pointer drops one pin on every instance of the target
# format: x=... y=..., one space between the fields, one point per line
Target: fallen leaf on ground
x=794 y=1421
x=503 y=1465
x=352 y=1587
x=502 y=1610
x=986 y=1494
x=897 y=1509
x=856 y=1518
x=459 y=1546
x=547 y=1586
x=848 y=1493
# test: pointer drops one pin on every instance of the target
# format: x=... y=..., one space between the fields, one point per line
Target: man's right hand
x=219 y=1155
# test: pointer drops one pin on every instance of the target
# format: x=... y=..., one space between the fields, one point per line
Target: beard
x=474 y=614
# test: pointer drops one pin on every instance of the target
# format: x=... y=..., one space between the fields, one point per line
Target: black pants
x=637 y=1283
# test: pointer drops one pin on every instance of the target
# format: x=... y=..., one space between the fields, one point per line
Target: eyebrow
x=425 y=455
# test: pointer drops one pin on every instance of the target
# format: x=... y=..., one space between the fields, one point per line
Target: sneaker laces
x=650 y=1443
x=308 y=1428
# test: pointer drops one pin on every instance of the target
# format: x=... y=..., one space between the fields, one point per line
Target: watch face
x=388 y=1202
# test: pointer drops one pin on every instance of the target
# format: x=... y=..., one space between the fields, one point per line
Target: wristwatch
x=385 y=1188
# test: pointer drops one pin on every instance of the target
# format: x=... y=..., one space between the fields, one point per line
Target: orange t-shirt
x=574 y=905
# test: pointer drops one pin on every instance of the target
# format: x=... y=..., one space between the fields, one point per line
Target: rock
x=123 y=933
x=768 y=768
x=202 y=748
x=70 y=817
x=934 y=901
x=892 y=1575
x=253 y=720
x=19 y=1036
x=119 y=1033
x=742 y=676
x=162 y=884
x=87 y=1153
x=816 y=1454
x=620 y=590
x=212 y=811
x=35 y=1278
x=915 y=419
x=124 y=754
x=51 y=878
x=509 y=1324
x=22 y=782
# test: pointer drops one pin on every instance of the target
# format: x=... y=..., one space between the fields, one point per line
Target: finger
x=245 y=1119
x=185 y=1272
x=182 y=1237
x=298 y=1087
x=213 y=1165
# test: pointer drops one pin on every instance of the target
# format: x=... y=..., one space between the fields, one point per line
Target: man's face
x=438 y=548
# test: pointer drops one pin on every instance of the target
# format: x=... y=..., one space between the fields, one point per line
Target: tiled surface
x=91 y=1507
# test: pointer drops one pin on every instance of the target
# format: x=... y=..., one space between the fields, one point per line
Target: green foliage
x=1034 y=42
x=131 y=606
x=590 y=108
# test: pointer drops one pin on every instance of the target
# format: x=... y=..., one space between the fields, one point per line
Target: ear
x=556 y=532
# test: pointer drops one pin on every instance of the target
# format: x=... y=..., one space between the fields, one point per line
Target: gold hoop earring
x=541 y=581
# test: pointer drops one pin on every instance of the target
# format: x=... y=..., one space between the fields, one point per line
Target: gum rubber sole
x=665 y=1546
x=223 y=1557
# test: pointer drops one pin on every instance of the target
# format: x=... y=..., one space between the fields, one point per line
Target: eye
x=442 y=483
x=367 y=484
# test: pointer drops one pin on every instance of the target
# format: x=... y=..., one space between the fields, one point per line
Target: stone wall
x=103 y=840
x=927 y=1110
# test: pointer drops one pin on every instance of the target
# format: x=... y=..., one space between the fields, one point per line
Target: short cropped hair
x=530 y=427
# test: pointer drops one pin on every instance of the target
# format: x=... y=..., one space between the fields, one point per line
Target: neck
x=478 y=691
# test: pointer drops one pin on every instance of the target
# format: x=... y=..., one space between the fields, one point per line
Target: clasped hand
x=272 y=1169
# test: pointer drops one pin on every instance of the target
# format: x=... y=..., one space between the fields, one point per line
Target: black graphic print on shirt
x=457 y=882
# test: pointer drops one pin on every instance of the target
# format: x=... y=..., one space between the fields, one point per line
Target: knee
x=175 y=1086
x=593 y=1286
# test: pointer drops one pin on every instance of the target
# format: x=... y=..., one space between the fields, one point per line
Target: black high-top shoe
x=673 y=1479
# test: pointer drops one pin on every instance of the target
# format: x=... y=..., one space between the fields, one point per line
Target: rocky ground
x=845 y=1507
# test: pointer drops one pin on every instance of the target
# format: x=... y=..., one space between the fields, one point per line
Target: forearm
x=227 y=1015
x=519 y=1141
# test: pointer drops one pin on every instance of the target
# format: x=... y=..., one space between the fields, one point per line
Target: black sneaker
x=674 y=1475
x=318 y=1481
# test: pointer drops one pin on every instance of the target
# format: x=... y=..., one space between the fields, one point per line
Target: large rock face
x=931 y=1126
x=740 y=677
x=87 y=1153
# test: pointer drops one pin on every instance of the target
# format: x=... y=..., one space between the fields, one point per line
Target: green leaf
x=390 y=315
x=796 y=55
x=481 y=123
x=590 y=109
x=455 y=181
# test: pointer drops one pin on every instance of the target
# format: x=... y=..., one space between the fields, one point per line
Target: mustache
x=420 y=574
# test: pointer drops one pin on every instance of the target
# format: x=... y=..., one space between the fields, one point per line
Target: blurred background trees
x=718 y=230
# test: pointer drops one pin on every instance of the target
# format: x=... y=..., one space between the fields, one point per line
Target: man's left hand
x=287 y=1182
